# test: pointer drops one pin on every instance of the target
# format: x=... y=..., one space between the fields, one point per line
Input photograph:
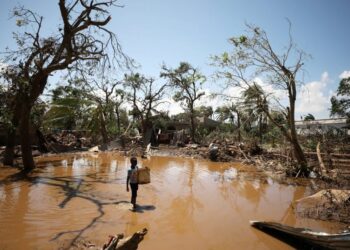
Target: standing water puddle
x=190 y=204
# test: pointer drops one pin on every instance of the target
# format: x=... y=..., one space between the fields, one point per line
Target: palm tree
x=67 y=109
x=255 y=103
x=229 y=112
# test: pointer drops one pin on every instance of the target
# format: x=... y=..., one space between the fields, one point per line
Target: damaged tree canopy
x=254 y=56
x=81 y=42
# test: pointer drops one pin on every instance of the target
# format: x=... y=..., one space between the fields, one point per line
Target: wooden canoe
x=303 y=238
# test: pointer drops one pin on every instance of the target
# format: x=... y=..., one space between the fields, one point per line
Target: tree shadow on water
x=73 y=187
x=19 y=176
x=78 y=188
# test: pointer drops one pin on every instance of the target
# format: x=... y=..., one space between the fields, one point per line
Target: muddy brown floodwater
x=190 y=204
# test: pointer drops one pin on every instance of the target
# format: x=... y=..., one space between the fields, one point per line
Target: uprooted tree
x=76 y=44
x=253 y=58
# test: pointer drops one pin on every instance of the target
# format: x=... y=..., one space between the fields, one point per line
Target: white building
x=322 y=125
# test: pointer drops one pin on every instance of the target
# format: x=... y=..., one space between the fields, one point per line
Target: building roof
x=334 y=121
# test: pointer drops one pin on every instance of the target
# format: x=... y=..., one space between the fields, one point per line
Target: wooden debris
x=329 y=204
x=113 y=242
x=130 y=243
x=323 y=170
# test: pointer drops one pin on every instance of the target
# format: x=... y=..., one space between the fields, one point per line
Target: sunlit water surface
x=190 y=204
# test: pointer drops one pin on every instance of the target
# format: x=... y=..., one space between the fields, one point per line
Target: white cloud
x=233 y=92
x=344 y=74
x=314 y=98
x=218 y=99
x=270 y=90
x=168 y=104
x=209 y=100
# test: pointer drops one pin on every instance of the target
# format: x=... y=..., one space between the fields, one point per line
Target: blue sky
x=157 y=31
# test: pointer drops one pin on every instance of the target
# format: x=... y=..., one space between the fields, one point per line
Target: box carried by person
x=144 y=175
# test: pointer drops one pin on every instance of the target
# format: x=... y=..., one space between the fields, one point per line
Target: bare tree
x=252 y=57
x=101 y=88
x=187 y=81
x=145 y=97
x=77 y=44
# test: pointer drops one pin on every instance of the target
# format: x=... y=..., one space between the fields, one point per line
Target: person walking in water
x=132 y=179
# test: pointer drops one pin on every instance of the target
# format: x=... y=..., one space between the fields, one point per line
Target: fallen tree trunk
x=323 y=169
x=302 y=238
x=129 y=243
x=113 y=242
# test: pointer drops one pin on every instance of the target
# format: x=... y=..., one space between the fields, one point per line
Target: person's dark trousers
x=134 y=188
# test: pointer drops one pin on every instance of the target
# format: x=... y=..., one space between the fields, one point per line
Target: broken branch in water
x=130 y=243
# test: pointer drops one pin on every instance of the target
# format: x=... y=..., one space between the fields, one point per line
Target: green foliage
x=253 y=57
x=69 y=109
x=187 y=82
x=225 y=112
x=242 y=39
x=161 y=121
x=145 y=96
x=309 y=117
x=254 y=100
x=341 y=102
x=204 y=111
x=273 y=136
x=226 y=127
x=344 y=87
x=202 y=132
x=5 y=114
x=225 y=57
x=181 y=117
x=37 y=113
x=74 y=108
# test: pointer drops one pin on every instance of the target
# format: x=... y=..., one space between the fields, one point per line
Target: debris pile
x=66 y=141
x=115 y=242
x=223 y=151
x=329 y=204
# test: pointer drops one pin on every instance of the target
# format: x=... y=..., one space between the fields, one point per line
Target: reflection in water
x=190 y=204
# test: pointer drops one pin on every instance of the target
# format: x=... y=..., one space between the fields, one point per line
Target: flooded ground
x=190 y=204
